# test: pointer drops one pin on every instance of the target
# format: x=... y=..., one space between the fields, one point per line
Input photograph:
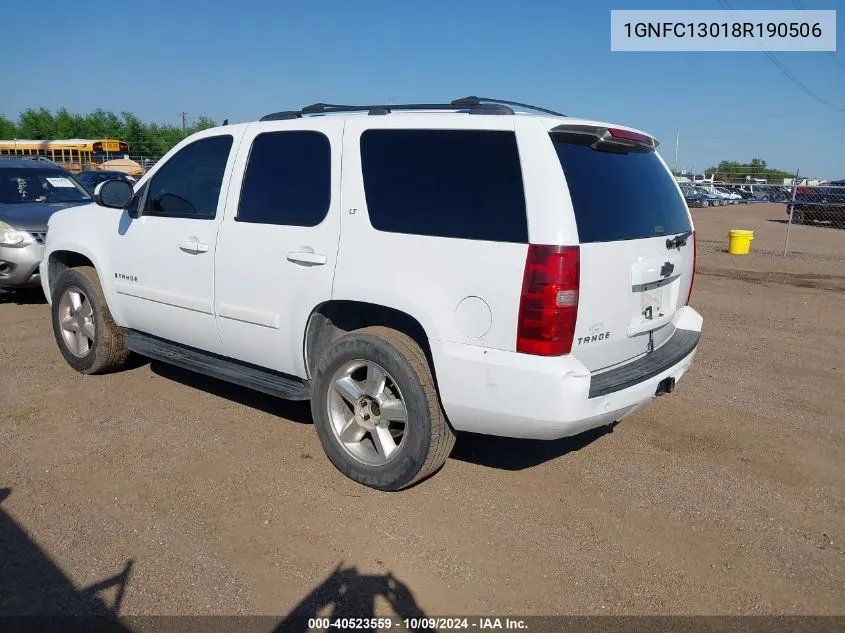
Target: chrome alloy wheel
x=76 y=319
x=367 y=412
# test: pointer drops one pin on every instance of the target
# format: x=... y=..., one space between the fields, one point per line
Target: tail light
x=692 y=276
x=548 y=306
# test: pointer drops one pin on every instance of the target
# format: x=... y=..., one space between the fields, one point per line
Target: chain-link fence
x=820 y=204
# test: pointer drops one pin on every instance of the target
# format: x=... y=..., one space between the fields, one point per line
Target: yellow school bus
x=75 y=154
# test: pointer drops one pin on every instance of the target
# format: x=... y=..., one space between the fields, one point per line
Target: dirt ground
x=197 y=497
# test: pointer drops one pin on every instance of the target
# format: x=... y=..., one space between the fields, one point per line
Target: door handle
x=193 y=246
x=306 y=257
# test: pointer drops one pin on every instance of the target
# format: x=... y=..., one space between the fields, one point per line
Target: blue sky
x=242 y=60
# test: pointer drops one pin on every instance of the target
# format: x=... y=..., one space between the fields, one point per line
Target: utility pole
x=183 y=115
x=677 y=141
x=791 y=211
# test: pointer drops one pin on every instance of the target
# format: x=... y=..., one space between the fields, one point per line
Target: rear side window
x=620 y=196
x=287 y=179
x=446 y=183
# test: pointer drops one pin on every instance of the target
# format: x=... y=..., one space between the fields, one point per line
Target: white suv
x=411 y=270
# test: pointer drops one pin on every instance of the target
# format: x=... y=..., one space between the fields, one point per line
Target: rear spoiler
x=608 y=138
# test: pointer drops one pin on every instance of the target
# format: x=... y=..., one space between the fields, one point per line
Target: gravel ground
x=727 y=497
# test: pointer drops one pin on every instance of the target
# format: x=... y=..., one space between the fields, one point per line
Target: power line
x=832 y=54
x=800 y=84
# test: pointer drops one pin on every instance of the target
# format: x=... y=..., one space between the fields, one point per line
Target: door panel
x=164 y=260
x=276 y=250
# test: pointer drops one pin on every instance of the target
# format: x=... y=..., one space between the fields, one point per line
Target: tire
x=426 y=438
x=705 y=204
x=106 y=350
x=799 y=217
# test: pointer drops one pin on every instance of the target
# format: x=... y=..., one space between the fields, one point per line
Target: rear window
x=620 y=196
x=446 y=183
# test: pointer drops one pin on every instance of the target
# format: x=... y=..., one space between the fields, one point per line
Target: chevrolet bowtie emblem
x=667 y=269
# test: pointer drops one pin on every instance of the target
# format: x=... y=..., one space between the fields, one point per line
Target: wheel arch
x=332 y=319
x=62 y=259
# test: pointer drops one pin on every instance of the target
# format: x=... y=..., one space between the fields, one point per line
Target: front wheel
x=87 y=336
x=376 y=410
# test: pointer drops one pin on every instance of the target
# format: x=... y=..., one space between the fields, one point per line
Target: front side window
x=189 y=184
x=287 y=179
x=446 y=183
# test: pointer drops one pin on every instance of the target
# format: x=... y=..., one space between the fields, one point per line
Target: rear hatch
x=636 y=245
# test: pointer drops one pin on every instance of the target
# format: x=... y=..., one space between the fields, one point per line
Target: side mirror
x=114 y=194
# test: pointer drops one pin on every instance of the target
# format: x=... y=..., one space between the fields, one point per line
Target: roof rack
x=471 y=105
x=516 y=104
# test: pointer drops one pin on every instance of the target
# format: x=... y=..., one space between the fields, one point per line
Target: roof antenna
x=225 y=121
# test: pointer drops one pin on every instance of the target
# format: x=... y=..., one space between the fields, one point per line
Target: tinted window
x=448 y=183
x=287 y=179
x=620 y=196
x=188 y=185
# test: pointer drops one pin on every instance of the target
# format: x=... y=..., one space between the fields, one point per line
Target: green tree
x=733 y=171
x=144 y=139
x=36 y=124
x=8 y=130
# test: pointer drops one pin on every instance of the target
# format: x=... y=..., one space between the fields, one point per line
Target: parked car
x=728 y=195
x=90 y=179
x=696 y=196
x=31 y=190
x=823 y=203
x=432 y=269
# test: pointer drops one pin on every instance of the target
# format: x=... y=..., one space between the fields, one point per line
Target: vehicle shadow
x=506 y=453
x=33 y=587
x=295 y=411
x=484 y=450
x=346 y=593
x=23 y=296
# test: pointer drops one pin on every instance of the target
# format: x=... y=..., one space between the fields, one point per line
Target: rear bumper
x=517 y=395
x=19 y=265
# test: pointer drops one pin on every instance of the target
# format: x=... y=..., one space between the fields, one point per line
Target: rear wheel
x=87 y=336
x=376 y=410
x=799 y=216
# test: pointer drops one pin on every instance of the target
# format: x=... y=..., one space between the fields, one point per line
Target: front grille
x=39 y=236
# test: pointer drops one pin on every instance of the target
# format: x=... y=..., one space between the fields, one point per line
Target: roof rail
x=475 y=101
x=334 y=108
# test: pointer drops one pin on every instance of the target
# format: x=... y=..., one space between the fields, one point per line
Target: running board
x=244 y=374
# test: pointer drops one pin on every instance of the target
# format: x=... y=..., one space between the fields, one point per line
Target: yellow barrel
x=739 y=242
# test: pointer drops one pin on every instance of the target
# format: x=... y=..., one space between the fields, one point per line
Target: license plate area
x=652 y=302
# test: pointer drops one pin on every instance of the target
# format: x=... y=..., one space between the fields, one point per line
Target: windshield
x=19 y=185
x=620 y=196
